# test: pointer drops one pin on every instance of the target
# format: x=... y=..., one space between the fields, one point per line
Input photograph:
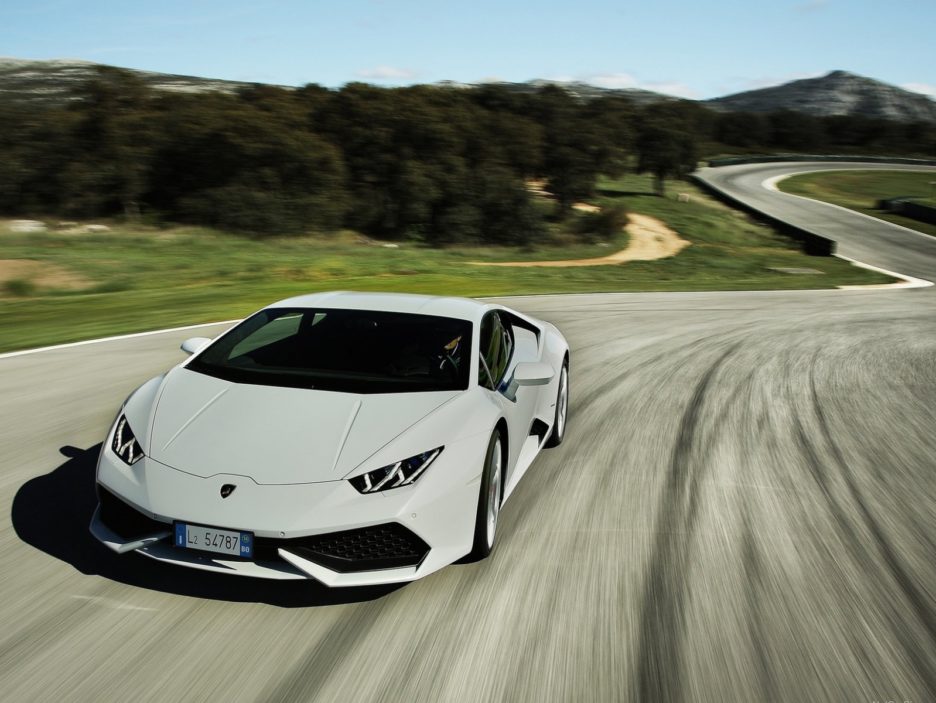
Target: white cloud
x=680 y=90
x=617 y=81
x=387 y=73
x=563 y=79
x=925 y=88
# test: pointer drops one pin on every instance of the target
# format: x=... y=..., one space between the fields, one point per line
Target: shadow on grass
x=52 y=514
x=611 y=193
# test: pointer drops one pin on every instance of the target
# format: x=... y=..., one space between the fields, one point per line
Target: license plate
x=211 y=539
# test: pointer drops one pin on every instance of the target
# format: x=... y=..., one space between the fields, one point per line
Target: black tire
x=558 y=430
x=491 y=490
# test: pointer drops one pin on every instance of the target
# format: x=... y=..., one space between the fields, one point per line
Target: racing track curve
x=743 y=510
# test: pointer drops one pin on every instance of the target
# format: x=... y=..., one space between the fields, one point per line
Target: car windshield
x=352 y=351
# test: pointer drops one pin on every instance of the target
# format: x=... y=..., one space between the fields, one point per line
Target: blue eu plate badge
x=213 y=539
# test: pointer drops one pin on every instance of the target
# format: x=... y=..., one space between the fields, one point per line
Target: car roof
x=461 y=308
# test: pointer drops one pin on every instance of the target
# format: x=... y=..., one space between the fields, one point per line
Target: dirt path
x=650 y=239
x=41 y=274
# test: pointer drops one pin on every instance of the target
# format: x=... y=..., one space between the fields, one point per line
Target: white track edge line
x=906 y=281
x=115 y=338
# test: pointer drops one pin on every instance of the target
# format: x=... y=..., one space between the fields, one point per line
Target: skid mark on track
x=307 y=679
x=550 y=473
x=915 y=597
x=758 y=632
x=663 y=619
x=688 y=350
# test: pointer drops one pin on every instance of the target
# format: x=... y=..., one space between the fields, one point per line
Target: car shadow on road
x=52 y=514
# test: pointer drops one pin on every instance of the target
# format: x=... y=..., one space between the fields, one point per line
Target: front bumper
x=324 y=531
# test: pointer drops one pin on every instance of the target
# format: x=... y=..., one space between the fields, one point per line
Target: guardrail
x=908 y=207
x=833 y=158
x=810 y=242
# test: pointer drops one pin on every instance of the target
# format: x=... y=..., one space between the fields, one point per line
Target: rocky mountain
x=837 y=93
x=51 y=82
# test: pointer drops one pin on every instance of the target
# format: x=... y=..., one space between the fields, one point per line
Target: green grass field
x=860 y=191
x=134 y=279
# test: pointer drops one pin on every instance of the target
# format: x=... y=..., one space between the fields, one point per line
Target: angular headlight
x=402 y=473
x=124 y=443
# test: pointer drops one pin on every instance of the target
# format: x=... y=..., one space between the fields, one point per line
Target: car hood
x=207 y=426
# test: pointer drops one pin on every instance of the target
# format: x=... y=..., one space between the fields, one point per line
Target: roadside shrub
x=114 y=285
x=605 y=224
x=20 y=287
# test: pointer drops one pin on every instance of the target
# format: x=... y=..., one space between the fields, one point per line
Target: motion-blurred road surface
x=744 y=509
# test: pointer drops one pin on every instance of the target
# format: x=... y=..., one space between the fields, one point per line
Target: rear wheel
x=489 y=500
x=562 y=408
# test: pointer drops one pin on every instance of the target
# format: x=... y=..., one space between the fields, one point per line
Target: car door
x=498 y=348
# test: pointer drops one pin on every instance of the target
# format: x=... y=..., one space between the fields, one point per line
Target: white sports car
x=351 y=438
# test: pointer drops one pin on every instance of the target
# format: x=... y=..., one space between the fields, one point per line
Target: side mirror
x=193 y=345
x=529 y=373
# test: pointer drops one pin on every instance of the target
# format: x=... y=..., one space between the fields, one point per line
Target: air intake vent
x=386 y=546
x=539 y=428
x=125 y=521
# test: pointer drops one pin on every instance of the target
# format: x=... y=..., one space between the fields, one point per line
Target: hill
x=836 y=93
x=51 y=82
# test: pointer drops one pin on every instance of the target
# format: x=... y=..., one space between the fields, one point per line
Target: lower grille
x=125 y=521
x=386 y=546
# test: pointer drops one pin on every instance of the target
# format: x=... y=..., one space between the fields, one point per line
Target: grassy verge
x=138 y=279
x=860 y=191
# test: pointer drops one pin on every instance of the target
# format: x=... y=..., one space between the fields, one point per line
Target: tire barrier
x=908 y=207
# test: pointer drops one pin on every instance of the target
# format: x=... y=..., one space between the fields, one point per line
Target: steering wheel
x=443 y=361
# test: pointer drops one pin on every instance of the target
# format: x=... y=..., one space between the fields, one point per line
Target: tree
x=611 y=119
x=36 y=148
x=572 y=147
x=508 y=215
x=114 y=136
x=744 y=129
x=666 y=153
x=229 y=163
x=435 y=164
x=795 y=130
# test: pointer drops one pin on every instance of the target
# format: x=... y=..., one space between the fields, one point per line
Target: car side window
x=496 y=349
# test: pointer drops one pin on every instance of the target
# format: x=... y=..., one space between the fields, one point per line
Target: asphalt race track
x=744 y=510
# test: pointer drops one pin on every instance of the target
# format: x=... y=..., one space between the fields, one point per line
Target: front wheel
x=489 y=500
x=562 y=408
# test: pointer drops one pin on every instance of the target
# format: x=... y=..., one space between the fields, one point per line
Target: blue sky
x=685 y=47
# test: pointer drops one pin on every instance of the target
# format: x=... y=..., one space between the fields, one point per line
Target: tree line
x=428 y=163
